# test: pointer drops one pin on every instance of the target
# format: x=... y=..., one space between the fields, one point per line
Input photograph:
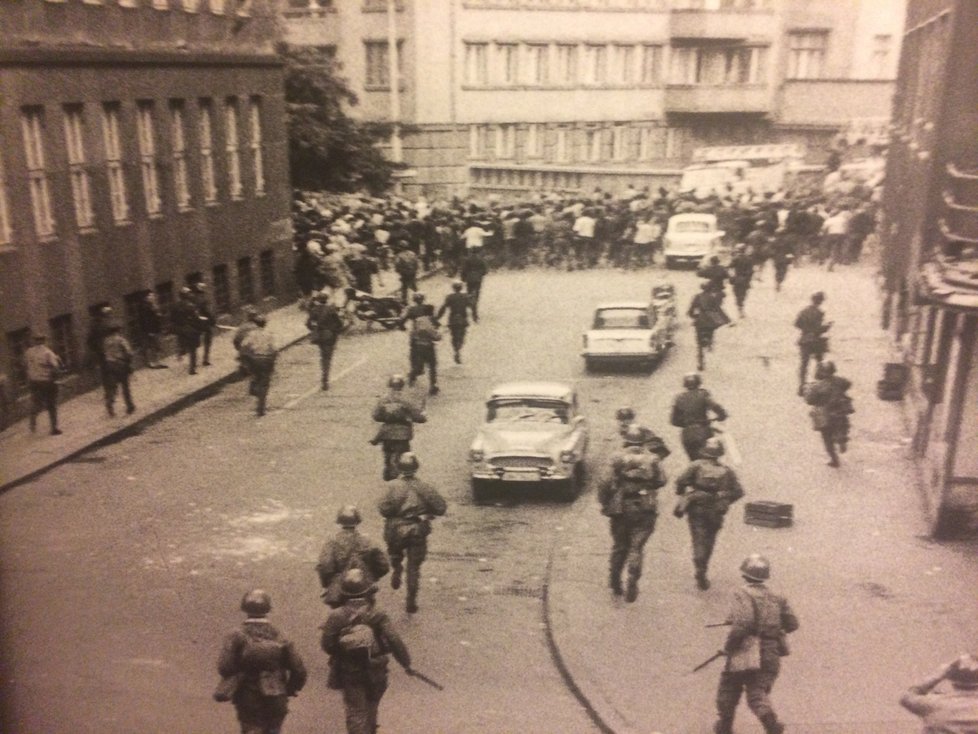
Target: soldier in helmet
x=706 y=488
x=628 y=497
x=345 y=550
x=458 y=305
x=831 y=408
x=325 y=325
x=359 y=639
x=259 y=351
x=692 y=411
x=955 y=710
x=812 y=343
x=760 y=612
x=408 y=507
x=653 y=442
x=259 y=668
x=397 y=415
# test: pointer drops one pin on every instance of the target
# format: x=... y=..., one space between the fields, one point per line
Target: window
x=378 y=64
x=32 y=124
x=206 y=135
x=127 y=3
x=534 y=140
x=178 y=146
x=161 y=4
x=5 y=232
x=255 y=141
x=507 y=66
x=879 y=63
x=18 y=342
x=113 y=162
x=147 y=157
x=505 y=141
x=593 y=142
x=684 y=66
x=80 y=186
x=246 y=281
x=619 y=142
x=191 y=6
x=651 y=72
x=645 y=143
x=217 y=7
x=478 y=142
x=674 y=142
x=806 y=54
x=561 y=148
x=742 y=65
x=623 y=62
x=595 y=64
x=231 y=147
x=63 y=341
x=476 y=63
x=537 y=58
x=222 y=289
x=566 y=64
x=266 y=272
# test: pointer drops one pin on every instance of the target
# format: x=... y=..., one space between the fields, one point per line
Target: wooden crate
x=769 y=514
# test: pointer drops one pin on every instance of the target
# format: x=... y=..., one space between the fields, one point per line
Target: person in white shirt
x=475 y=236
x=583 y=235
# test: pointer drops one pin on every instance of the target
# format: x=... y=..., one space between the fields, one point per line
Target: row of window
x=113 y=159
x=620 y=4
x=594 y=143
x=63 y=339
x=217 y=7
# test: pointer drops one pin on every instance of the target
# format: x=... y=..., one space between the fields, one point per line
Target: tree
x=327 y=148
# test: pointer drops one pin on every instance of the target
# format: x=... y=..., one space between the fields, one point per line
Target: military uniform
x=708 y=489
x=348 y=549
x=708 y=316
x=742 y=271
x=953 y=711
x=812 y=342
x=423 y=352
x=324 y=326
x=628 y=499
x=457 y=305
x=691 y=412
x=406 y=509
x=118 y=356
x=398 y=417
x=830 y=412
x=259 y=346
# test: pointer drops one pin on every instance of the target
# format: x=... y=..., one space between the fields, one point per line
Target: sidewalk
x=879 y=603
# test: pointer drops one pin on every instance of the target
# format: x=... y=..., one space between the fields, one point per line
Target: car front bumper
x=521 y=474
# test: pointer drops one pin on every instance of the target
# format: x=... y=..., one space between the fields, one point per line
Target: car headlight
x=476 y=455
x=568 y=457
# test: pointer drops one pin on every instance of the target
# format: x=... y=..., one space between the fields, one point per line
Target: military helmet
x=348 y=516
x=396 y=382
x=625 y=414
x=355 y=583
x=634 y=436
x=818 y=297
x=825 y=369
x=418 y=297
x=256 y=603
x=712 y=448
x=755 y=568
x=692 y=380
x=963 y=672
x=407 y=463
x=457 y=285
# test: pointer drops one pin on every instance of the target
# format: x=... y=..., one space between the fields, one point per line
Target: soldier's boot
x=771 y=724
x=631 y=594
x=396 y=576
x=723 y=726
x=411 y=606
x=701 y=580
x=615 y=584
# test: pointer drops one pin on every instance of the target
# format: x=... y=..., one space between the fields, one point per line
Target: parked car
x=625 y=333
x=691 y=237
x=533 y=432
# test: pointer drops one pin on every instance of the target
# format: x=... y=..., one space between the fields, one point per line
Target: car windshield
x=527 y=410
x=622 y=318
x=693 y=226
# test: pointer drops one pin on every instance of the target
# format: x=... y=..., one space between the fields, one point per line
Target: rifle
x=718 y=624
x=422 y=677
x=718 y=654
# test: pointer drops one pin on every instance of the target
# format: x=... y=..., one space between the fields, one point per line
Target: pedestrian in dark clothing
x=407 y=509
x=43 y=367
x=708 y=316
x=397 y=415
x=781 y=257
x=345 y=550
x=741 y=274
x=118 y=365
x=831 y=408
x=422 y=350
x=259 y=668
x=947 y=712
x=151 y=329
x=188 y=326
x=628 y=497
x=325 y=325
x=812 y=342
x=359 y=638
x=97 y=331
x=259 y=348
x=757 y=612
x=472 y=272
x=715 y=274
x=458 y=305
x=251 y=316
x=692 y=411
x=207 y=320
x=363 y=269
x=406 y=267
x=706 y=488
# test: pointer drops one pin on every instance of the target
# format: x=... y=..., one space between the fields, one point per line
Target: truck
x=735 y=170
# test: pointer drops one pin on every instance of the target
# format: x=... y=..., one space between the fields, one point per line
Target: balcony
x=741 y=25
x=718 y=99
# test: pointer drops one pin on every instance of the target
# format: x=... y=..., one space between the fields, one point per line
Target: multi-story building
x=142 y=145
x=930 y=259
x=517 y=94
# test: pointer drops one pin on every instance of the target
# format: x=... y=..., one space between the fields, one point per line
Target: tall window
x=476 y=63
x=217 y=6
x=507 y=63
x=266 y=272
x=561 y=146
x=63 y=341
x=191 y=6
x=651 y=70
x=505 y=141
x=147 y=157
x=255 y=142
x=477 y=141
x=566 y=63
x=593 y=143
x=113 y=162
x=684 y=65
x=534 y=140
x=80 y=185
x=742 y=65
x=619 y=142
x=246 y=281
x=222 y=289
x=178 y=145
x=206 y=136
x=378 y=64
x=231 y=147
x=5 y=232
x=806 y=54
x=645 y=141
x=537 y=57
x=595 y=64
x=623 y=63
x=879 y=63
x=32 y=124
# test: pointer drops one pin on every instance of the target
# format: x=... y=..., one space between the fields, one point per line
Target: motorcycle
x=384 y=310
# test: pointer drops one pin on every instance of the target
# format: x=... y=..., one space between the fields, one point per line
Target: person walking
x=628 y=498
x=188 y=325
x=458 y=305
x=397 y=415
x=97 y=331
x=118 y=368
x=953 y=711
x=207 y=320
x=151 y=329
x=43 y=368
x=406 y=267
x=812 y=343
x=693 y=410
x=741 y=274
x=325 y=325
x=259 y=350
x=259 y=668
x=831 y=408
x=706 y=488
x=247 y=325
x=422 y=351
x=758 y=616
x=407 y=508
x=707 y=314
x=359 y=639
x=345 y=550
x=472 y=272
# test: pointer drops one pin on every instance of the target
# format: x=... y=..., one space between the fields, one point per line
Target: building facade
x=930 y=239
x=507 y=95
x=142 y=147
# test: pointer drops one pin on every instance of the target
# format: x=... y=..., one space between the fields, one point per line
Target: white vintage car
x=532 y=433
x=626 y=333
x=691 y=237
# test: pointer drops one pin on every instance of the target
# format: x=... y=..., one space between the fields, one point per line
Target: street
x=122 y=570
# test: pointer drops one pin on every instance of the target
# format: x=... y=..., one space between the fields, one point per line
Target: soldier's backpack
x=711 y=477
x=425 y=330
x=264 y=657
x=391 y=411
x=358 y=645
